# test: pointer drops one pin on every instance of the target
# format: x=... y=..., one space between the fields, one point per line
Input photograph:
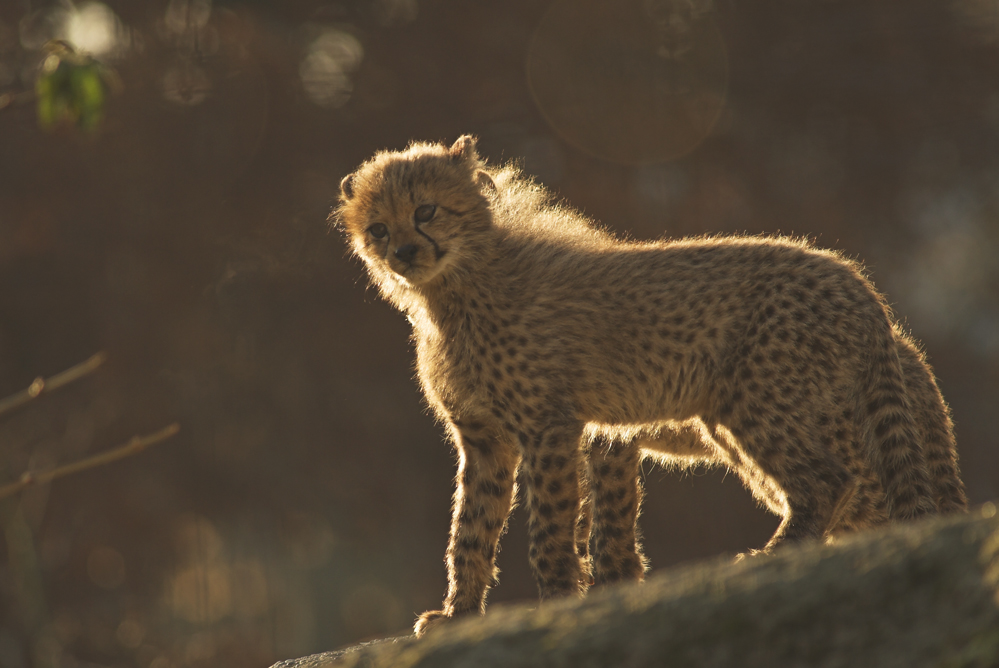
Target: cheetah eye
x=378 y=231
x=424 y=213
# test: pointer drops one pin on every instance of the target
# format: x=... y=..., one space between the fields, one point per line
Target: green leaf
x=72 y=89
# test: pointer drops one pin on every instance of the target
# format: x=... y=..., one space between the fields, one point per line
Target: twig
x=136 y=445
x=41 y=386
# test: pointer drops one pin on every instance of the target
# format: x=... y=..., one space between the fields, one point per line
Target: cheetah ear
x=485 y=181
x=347 y=187
x=464 y=149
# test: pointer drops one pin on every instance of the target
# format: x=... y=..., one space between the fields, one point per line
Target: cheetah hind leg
x=936 y=428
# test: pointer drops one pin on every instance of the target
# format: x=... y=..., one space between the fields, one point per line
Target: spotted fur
x=550 y=347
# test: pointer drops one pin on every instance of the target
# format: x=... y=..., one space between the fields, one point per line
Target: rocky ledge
x=914 y=595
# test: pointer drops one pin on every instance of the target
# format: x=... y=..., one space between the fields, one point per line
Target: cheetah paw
x=430 y=620
x=742 y=556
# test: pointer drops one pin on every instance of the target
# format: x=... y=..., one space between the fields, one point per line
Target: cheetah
x=550 y=348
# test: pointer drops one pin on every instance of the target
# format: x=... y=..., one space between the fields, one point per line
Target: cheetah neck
x=444 y=304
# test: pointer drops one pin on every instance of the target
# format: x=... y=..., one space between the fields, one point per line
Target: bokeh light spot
x=184 y=16
x=201 y=593
x=395 y=12
x=634 y=82
x=187 y=84
x=325 y=70
x=196 y=540
x=93 y=27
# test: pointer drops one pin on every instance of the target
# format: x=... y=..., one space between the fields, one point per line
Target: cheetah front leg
x=482 y=502
x=551 y=467
x=616 y=496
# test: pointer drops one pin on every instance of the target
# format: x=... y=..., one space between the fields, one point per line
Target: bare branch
x=41 y=386
x=136 y=445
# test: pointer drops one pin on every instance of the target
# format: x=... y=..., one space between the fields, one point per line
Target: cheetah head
x=412 y=215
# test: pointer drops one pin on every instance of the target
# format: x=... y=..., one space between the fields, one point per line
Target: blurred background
x=179 y=224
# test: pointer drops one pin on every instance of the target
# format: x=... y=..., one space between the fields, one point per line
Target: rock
x=920 y=594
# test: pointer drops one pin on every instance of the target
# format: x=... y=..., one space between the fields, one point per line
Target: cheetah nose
x=406 y=253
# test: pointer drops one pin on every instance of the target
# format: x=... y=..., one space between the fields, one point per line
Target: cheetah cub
x=549 y=346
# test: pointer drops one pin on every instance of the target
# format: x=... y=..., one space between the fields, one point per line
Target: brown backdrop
x=305 y=502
